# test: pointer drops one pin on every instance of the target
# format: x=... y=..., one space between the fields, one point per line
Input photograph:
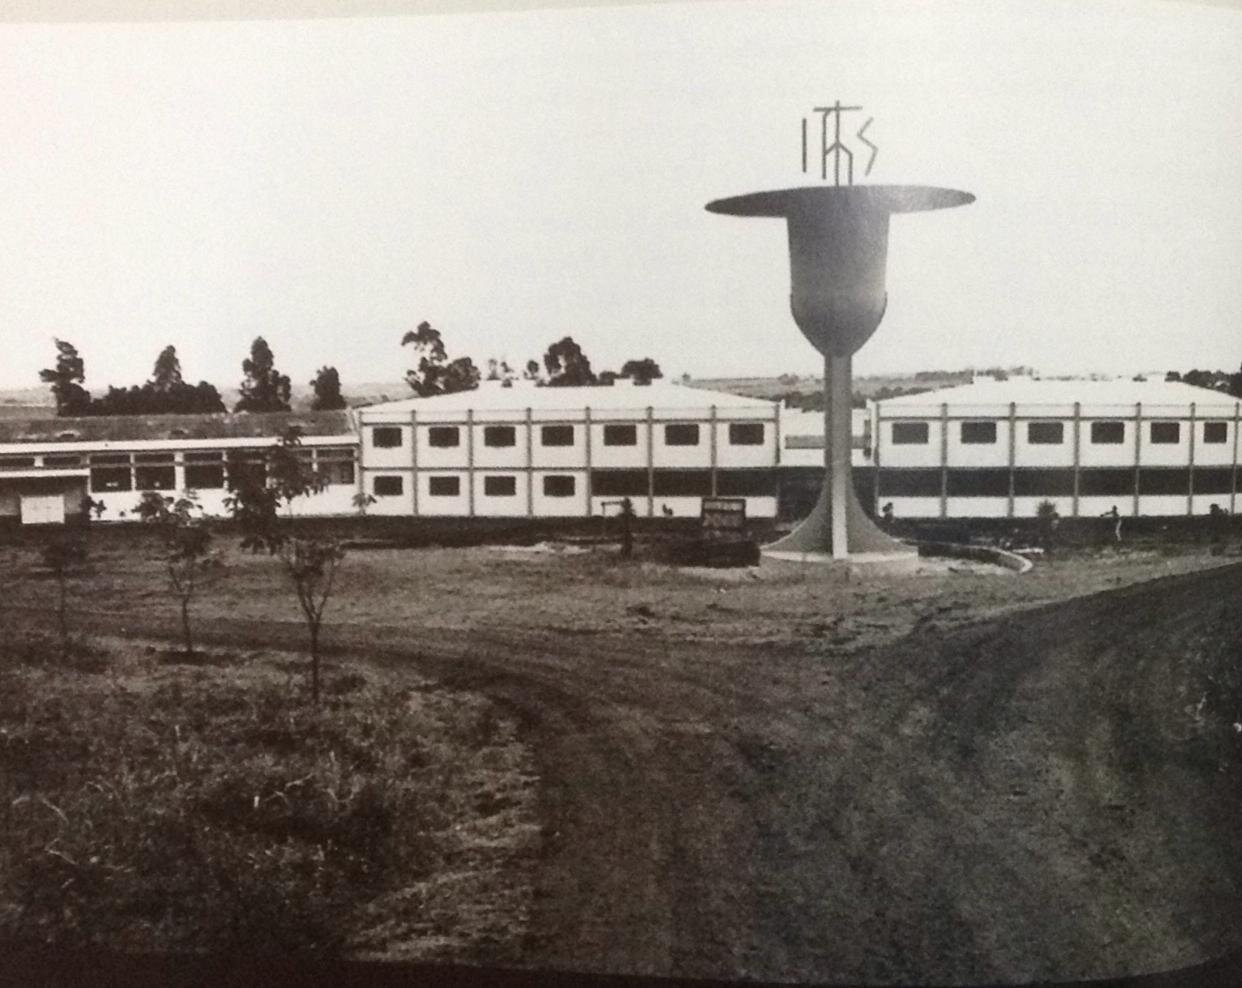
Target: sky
x=520 y=176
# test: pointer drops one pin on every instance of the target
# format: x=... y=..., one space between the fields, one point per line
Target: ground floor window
x=909 y=483
x=619 y=483
x=444 y=486
x=745 y=483
x=683 y=483
x=558 y=485
x=500 y=486
x=388 y=486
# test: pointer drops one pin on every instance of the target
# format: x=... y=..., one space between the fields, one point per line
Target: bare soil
x=796 y=773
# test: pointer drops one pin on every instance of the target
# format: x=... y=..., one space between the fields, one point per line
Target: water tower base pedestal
x=812 y=540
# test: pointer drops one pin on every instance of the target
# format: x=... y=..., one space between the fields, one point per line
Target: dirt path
x=1047 y=796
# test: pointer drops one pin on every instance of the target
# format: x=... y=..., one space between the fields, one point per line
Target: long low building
x=989 y=449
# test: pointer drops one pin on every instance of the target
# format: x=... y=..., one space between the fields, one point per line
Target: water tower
x=838 y=249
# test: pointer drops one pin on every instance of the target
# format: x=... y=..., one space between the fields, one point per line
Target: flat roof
x=1033 y=391
x=140 y=428
x=493 y=398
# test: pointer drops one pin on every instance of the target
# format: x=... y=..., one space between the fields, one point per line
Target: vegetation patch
x=149 y=806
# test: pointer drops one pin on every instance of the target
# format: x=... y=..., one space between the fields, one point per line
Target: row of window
x=1053 y=433
x=616 y=434
x=604 y=483
x=1030 y=482
x=210 y=470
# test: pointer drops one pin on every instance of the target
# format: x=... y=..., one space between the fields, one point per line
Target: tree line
x=265 y=389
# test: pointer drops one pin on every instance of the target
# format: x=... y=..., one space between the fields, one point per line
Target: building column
x=1138 y=446
x=1190 y=481
x=711 y=424
x=650 y=462
x=470 y=462
x=875 y=461
x=414 y=456
x=1077 y=457
x=1013 y=445
x=530 y=465
x=944 y=460
x=589 y=493
x=1233 y=472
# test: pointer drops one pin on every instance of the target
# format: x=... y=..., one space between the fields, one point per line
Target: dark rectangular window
x=620 y=435
x=556 y=435
x=155 y=478
x=111 y=479
x=619 y=483
x=1154 y=480
x=500 y=486
x=16 y=462
x=683 y=483
x=204 y=476
x=746 y=483
x=910 y=433
x=62 y=460
x=1043 y=483
x=110 y=460
x=443 y=436
x=910 y=483
x=388 y=485
x=1166 y=433
x=386 y=437
x=746 y=433
x=1213 y=480
x=558 y=485
x=1045 y=433
x=978 y=483
x=1106 y=483
x=1215 y=432
x=1108 y=432
x=207 y=457
x=444 y=486
x=499 y=435
x=978 y=433
x=681 y=434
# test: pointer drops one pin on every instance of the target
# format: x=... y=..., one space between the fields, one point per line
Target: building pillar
x=875 y=461
x=1077 y=457
x=1138 y=446
x=1190 y=481
x=944 y=460
x=1013 y=445
x=414 y=457
x=711 y=425
x=470 y=463
x=650 y=462
x=1233 y=472
x=589 y=493
x=530 y=465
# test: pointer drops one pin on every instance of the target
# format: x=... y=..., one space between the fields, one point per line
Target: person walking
x=1116 y=516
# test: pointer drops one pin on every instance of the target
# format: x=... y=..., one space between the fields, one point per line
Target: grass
x=160 y=806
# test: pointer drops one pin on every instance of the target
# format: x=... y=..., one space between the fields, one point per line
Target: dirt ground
x=799 y=773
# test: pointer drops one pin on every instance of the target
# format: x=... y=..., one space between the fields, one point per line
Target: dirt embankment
x=1048 y=794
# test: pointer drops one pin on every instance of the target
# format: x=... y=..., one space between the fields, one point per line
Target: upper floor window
x=1215 y=432
x=978 y=433
x=620 y=435
x=1045 y=433
x=499 y=435
x=62 y=460
x=16 y=462
x=442 y=436
x=556 y=435
x=681 y=434
x=1166 y=432
x=386 y=437
x=910 y=433
x=1108 y=432
x=746 y=433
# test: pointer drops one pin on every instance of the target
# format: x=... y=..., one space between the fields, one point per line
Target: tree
x=188 y=541
x=310 y=563
x=499 y=370
x=264 y=389
x=66 y=379
x=435 y=373
x=567 y=365
x=1235 y=384
x=641 y=371
x=327 y=388
x=166 y=375
x=1172 y=376
x=531 y=371
x=61 y=553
